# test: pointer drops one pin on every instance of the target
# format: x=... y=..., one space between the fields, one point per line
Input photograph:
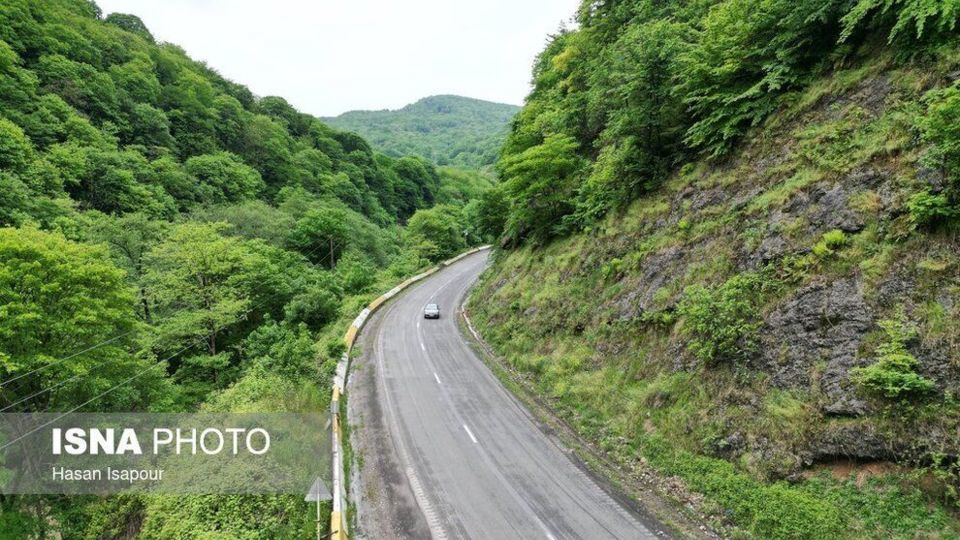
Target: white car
x=432 y=311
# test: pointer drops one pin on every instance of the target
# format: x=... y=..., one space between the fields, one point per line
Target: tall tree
x=197 y=279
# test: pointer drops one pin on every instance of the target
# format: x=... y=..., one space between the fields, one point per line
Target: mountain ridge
x=444 y=128
x=411 y=106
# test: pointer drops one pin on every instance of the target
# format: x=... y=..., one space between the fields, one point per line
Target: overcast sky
x=330 y=56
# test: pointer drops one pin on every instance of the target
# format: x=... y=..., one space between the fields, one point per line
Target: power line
x=110 y=340
x=100 y=395
x=72 y=356
x=129 y=332
x=54 y=387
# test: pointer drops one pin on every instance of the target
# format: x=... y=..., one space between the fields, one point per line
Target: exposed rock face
x=819 y=329
x=656 y=271
x=861 y=440
x=832 y=210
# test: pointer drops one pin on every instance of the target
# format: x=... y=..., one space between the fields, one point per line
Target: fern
x=893 y=376
x=919 y=15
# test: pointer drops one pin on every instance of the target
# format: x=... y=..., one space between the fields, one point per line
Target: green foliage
x=748 y=53
x=224 y=178
x=16 y=152
x=540 y=182
x=492 y=211
x=318 y=303
x=640 y=86
x=321 y=235
x=830 y=243
x=723 y=321
x=244 y=517
x=193 y=219
x=929 y=210
x=768 y=511
x=123 y=123
x=460 y=186
x=130 y=238
x=893 y=376
x=939 y=128
x=130 y=23
x=253 y=219
x=281 y=349
x=197 y=278
x=437 y=233
x=448 y=130
x=911 y=17
x=56 y=298
x=355 y=274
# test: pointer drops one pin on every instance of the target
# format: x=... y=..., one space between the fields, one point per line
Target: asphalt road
x=445 y=451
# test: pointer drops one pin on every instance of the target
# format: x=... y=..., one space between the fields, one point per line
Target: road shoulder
x=385 y=504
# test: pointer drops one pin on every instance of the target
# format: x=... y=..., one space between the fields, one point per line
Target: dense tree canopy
x=448 y=130
x=57 y=298
x=642 y=85
x=105 y=104
x=171 y=242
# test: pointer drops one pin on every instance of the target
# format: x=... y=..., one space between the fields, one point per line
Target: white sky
x=331 y=56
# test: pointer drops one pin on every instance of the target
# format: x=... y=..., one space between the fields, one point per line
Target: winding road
x=445 y=451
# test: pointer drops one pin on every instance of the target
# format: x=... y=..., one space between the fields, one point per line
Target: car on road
x=431 y=311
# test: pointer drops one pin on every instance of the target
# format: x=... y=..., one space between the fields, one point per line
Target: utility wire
x=125 y=334
x=72 y=356
x=100 y=395
x=110 y=340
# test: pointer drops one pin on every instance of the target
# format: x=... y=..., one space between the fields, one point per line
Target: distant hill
x=449 y=130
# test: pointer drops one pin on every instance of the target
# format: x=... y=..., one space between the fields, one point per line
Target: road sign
x=318 y=492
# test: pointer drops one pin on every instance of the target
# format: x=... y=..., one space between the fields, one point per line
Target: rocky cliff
x=736 y=312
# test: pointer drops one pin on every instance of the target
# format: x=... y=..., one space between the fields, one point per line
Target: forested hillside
x=730 y=257
x=171 y=242
x=448 y=130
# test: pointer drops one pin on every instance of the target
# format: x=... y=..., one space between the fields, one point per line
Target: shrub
x=766 y=510
x=893 y=375
x=281 y=349
x=723 y=321
x=929 y=210
x=830 y=242
x=440 y=226
x=355 y=273
x=314 y=307
x=913 y=17
x=940 y=128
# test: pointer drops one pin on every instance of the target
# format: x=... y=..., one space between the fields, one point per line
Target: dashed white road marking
x=437 y=377
x=470 y=433
x=423 y=347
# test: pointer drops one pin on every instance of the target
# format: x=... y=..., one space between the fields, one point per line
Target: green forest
x=448 y=130
x=727 y=253
x=643 y=87
x=188 y=246
x=730 y=257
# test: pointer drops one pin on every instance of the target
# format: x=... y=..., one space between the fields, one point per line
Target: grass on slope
x=563 y=316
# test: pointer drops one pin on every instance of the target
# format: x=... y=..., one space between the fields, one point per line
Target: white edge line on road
x=470 y=433
x=437 y=377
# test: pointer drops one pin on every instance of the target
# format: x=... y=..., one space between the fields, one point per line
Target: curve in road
x=446 y=450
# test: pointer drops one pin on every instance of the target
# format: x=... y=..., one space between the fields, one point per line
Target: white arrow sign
x=318 y=492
